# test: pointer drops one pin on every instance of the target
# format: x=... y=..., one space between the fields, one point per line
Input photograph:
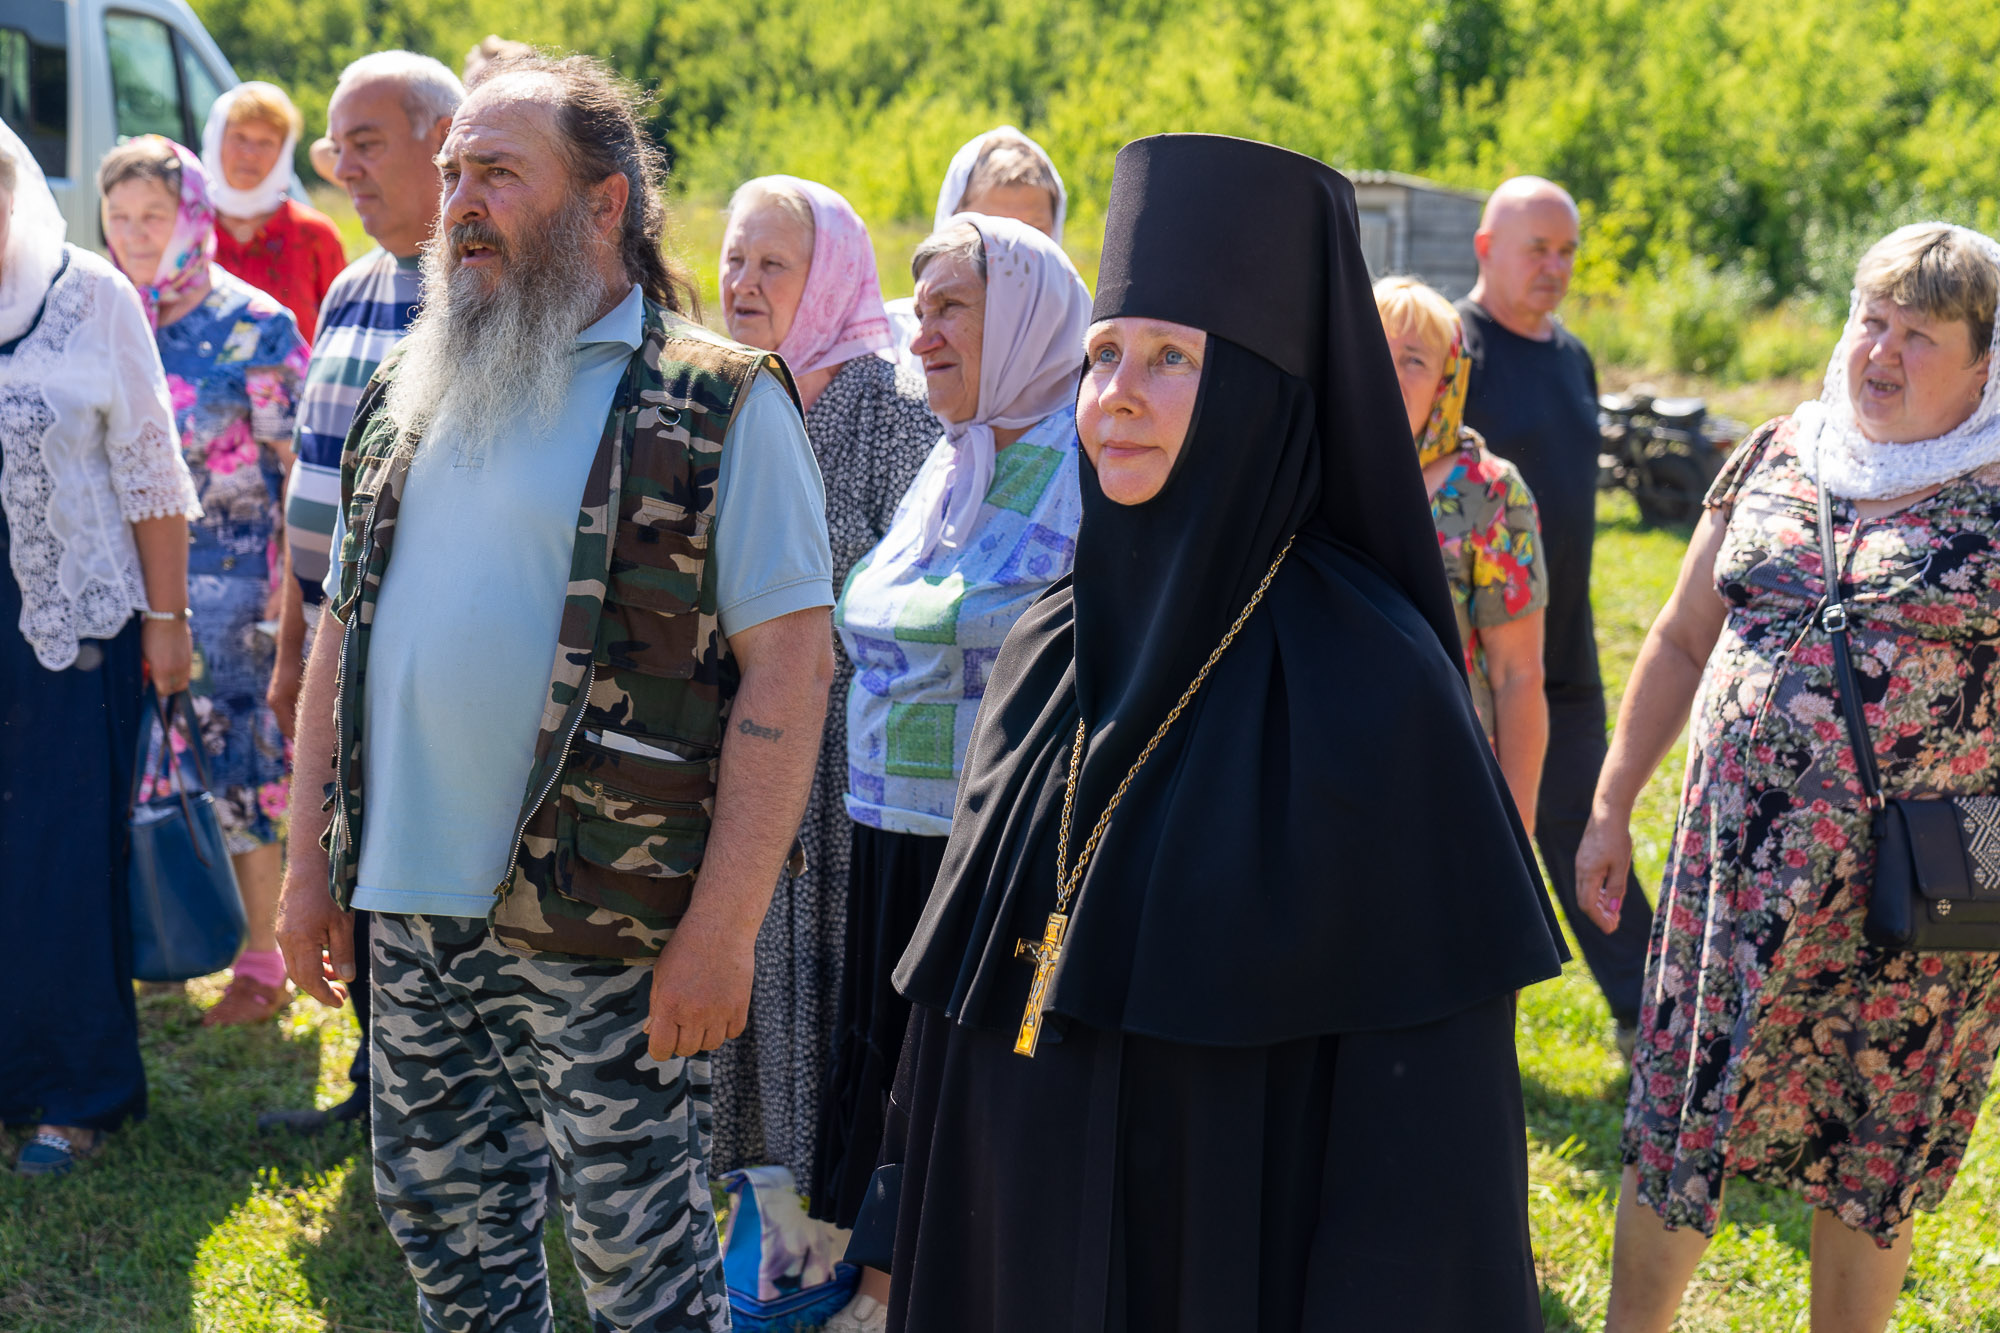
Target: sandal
x=53 y=1154
x=246 y=1003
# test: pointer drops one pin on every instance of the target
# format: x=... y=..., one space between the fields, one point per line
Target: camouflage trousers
x=492 y=1070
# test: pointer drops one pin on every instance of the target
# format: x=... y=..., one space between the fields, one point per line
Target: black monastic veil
x=1277 y=1092
x=1323 y=843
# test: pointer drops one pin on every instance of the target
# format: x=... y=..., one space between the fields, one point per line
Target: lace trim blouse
x=87 y=448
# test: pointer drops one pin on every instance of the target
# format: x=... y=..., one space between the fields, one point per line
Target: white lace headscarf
x=34 y=241
x=1851 y=465
x=261 y=198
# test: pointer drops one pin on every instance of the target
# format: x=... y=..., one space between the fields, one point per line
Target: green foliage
x=1770 y=140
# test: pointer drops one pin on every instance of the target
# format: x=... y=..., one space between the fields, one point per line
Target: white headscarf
x=1037 y=310
x=1852 y=465
x=34 y=241
x=265 y=196
x=959 y=174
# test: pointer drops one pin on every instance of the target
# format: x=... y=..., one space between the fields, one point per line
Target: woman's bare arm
x=1655 y=708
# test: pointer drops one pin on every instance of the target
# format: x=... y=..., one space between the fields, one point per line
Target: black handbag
x=1937 y=858
x=187 y=911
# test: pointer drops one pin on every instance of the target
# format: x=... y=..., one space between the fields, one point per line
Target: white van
x=79 y=77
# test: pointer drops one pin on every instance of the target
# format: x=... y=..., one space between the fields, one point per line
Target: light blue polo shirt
x=465 y=625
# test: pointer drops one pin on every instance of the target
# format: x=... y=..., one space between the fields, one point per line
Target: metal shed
x=1411 y=225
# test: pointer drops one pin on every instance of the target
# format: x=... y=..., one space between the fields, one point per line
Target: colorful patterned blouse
x=923 y=634
x=1491 y=541
x=295 y=256
x=233 y=366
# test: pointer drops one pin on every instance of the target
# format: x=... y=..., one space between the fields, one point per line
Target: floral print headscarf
x=184 y=265
x=1441 y=432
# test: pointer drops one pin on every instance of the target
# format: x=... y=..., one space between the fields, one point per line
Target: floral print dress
x=1491 y=540
x=1776 y=1042
x=234 y=364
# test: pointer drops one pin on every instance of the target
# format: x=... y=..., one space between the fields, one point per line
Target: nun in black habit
x=1273 y=1084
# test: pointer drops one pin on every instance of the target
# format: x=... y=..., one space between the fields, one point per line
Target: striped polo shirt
x=366 y=313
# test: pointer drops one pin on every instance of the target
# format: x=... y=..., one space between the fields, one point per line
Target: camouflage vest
x=608 y=842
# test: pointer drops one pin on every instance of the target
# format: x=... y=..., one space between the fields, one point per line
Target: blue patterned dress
x=234 y=364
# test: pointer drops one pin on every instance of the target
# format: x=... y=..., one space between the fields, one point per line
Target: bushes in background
x=1732 y=158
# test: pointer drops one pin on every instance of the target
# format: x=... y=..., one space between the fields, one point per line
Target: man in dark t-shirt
x=1533 y=395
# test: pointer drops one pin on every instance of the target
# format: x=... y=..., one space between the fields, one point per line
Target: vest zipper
x=562 y=755
x=340 y=694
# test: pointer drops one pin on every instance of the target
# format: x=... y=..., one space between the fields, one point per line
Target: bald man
x=1533 y=395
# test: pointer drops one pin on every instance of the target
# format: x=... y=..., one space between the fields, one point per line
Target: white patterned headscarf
x=34 y=241
x=1030 y=360
x=1851 y=465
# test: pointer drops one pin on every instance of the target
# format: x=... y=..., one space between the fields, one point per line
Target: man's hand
x=316 y=937
x=701 y=990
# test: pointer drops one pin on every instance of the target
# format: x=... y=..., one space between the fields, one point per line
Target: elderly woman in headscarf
x=234 y=360
x=798 y=278
x=94 y=509
x=987 y=527
x=1487 y=533
x=1213 y=1030
x=263 y=236
x=1780 y=1040
x=1001 y=173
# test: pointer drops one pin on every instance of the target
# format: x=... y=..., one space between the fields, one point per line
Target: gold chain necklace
x=1048 y=949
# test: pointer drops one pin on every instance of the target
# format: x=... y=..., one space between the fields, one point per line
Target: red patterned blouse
x=294 y=257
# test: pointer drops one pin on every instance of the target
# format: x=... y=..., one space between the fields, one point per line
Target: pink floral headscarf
x=191 y=249
x=840 y=314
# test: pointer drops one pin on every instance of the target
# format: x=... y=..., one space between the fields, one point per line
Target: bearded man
x=582 y=575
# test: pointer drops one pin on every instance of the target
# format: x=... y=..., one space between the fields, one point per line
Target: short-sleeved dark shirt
x=1536 y=404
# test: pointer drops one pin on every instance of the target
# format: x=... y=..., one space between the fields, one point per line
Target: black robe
x=1365 y=1183
x=1276 y=1086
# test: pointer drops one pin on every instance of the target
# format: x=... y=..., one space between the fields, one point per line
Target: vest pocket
x=631 y=832
x=651 y=622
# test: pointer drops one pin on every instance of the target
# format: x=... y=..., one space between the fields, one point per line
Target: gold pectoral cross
x=1045 y=952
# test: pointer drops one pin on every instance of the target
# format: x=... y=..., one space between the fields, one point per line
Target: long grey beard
x=484 y=359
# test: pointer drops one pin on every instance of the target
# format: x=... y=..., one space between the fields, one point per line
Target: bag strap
x=177 y=705
x=1832 y=617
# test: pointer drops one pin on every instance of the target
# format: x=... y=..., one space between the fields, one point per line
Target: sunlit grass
x=192 y=1221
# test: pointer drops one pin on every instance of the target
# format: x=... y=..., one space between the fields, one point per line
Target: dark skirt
x=69 y=1032
x=1121 y=1184
x=889 y=879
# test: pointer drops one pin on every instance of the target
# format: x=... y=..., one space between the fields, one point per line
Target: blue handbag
x=187 y=911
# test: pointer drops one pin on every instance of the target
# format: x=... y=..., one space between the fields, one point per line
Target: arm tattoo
x=749 y=728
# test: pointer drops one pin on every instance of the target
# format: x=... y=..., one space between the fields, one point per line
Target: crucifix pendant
x=1045 y=952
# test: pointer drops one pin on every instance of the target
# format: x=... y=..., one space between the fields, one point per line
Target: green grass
x=193 y=1221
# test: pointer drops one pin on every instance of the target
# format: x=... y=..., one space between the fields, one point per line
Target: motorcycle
x=1664 y=451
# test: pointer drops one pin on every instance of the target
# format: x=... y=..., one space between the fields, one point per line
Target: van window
x=145 y=86
x=34 y=80
x=202 y=89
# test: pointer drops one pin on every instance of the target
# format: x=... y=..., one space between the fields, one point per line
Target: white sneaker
x=864 y=1314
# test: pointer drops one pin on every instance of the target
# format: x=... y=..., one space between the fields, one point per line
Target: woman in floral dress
x=234 y=359
x=798 y=277
x=1777 y=1042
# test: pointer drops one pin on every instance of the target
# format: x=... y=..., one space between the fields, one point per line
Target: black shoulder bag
x=1937 y=859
